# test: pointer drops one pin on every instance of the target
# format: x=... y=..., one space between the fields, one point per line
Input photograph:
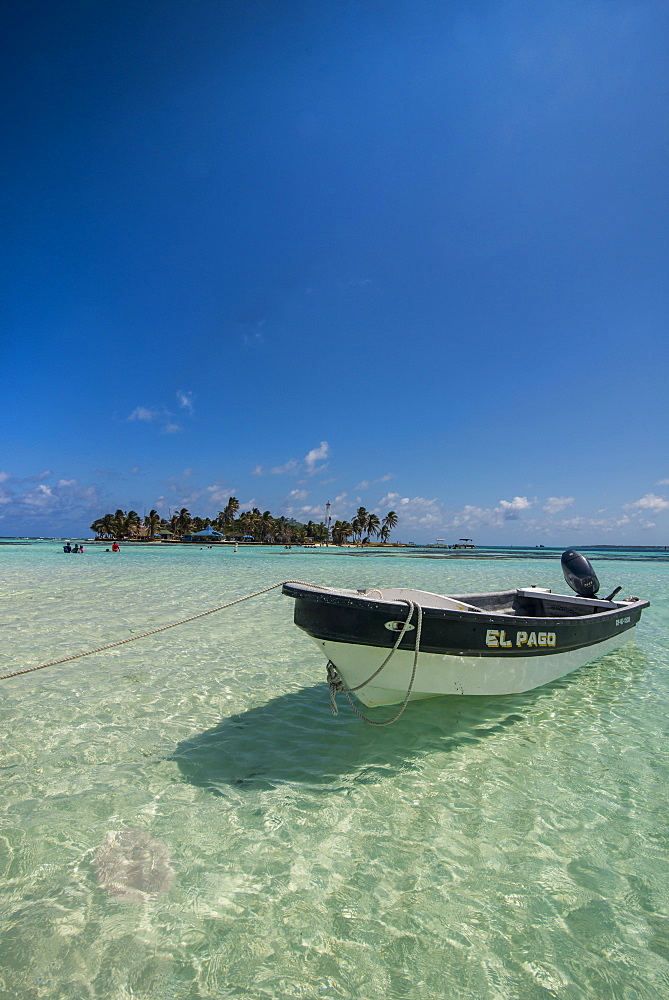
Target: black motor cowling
x=579 y=573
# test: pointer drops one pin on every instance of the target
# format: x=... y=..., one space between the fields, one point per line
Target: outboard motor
x=579 y=573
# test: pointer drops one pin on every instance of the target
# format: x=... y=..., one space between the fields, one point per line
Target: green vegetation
x=262 y=527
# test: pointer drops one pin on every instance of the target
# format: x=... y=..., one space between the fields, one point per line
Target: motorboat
x=390 y=645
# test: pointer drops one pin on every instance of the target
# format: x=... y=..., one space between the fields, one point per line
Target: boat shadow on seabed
x=295 y=739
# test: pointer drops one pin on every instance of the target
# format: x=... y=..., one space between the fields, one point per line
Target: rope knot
x=335 y=684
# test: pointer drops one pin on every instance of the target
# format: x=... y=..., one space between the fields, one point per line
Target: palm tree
x=102 y=526
x=246 y=522
x=284 y=529
x=360 y=522
x=118 y=523
x=152 y=522
x=391 y=520
x=252 y=522
x=132 y=522
x=298 y=533
x=230 y=511
x=267 y=525
x=373 y=525
x=320 y=531
x=362 y=515
x=341 y=531
x=256 y=524
x=183 y=521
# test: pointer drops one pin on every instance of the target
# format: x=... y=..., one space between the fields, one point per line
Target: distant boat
x=464 y=543
x=391 y=644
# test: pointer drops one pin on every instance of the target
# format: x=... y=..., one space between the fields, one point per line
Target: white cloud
x=650 y=502
x=281 y=470
x=144 y=413
x=162 y=415
x=219 y=495
x=510 y=508
x=366 y=483
x=180 y=487
x=580 y=523
x=309 y=463
x=278 y=470
x=414 y=513
x=555 y=504
x=316 y=455
x=188 y=500
x=293 y=506
x=67 y=499
x=185 y=401
x=3 y=476
x=471 y=517
x=421 y=513
x=663 y=482
x=254 y=336
x=306 y=512
x=41 y=496
x=389 y=500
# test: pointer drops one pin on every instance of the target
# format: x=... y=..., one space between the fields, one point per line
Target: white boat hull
x=446 y=674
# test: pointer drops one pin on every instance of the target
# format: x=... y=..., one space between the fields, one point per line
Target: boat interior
x=526 y=602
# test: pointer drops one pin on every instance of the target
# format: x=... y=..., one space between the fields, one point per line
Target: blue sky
x=399 y=253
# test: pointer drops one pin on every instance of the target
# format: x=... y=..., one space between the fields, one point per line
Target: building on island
x=207 y=534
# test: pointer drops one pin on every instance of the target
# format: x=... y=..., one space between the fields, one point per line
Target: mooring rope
x=336 y=683
x=144 y=635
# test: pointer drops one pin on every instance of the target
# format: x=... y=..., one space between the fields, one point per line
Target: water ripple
x=481 y=848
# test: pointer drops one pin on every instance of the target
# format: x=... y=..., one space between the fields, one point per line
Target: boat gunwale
x=349 y=598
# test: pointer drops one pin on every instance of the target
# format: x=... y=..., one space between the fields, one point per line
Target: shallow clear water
x=509 y=847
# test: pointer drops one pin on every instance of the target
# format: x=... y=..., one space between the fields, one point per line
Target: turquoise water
x=499 y=848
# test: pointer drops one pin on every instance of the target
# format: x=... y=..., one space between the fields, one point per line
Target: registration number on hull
x=496 y=637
